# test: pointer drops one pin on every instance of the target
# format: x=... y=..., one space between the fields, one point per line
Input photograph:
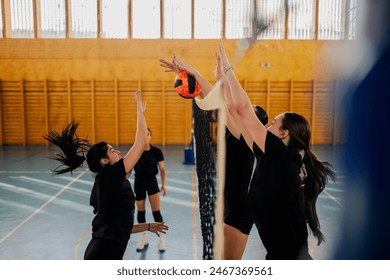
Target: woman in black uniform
x=289 y=179
x=240 y=163
x=146 y=169
x=239 y=169
x=112 y=196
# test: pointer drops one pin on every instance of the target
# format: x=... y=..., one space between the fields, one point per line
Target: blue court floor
x=47 y=217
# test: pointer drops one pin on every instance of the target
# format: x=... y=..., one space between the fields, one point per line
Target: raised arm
x=240 y=106
x=178 y=65
x=135 y=152
x=217 y=97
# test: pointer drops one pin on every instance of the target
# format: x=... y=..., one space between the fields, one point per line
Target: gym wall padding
x=45 y=83
x=106 y=109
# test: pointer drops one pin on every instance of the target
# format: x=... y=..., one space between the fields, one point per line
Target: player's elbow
x=241 y=107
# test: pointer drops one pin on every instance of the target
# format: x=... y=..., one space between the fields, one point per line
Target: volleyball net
x=210 y=150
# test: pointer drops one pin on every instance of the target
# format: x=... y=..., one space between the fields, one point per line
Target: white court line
x=81 y=181
x=180 y=190
x=330 y=189
x=333 y=198
x=175 y=201
x=188 y=183
x=31 y=172
x=16 y=205
x=42 y=182
x=40 y=208
x=41 y=196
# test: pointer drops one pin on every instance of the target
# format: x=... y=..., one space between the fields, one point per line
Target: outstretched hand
x=158 y=227
x=225 y=61
x=141 y=105
x=218 y=71
x=177 y=65
x=181 y=65
x=171 y=66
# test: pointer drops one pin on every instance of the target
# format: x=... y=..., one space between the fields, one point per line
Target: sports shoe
x=161 y=244
x=143 y=243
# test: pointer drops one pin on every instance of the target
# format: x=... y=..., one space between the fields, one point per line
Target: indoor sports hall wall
x=45 y=83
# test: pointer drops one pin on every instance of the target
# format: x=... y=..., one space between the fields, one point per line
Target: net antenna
x=259 y=26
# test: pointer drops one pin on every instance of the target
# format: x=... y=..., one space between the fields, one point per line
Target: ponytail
x=314 y=183
x=73 y=149
x=317 y=171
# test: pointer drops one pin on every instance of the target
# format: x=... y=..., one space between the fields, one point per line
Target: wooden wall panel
x=177 y=116
x=257 y=93
x=107 y=112
x=12 y=119
x=81 y=110
x=127 y=111
x=58 y=103
x=302 y=98
x=324 y=132
x=279 y=99
x=105 y=116
x=35 y=112
x=154 y=112
x=1 y=113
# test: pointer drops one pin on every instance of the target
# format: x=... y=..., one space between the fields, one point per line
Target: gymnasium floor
x=47 y=217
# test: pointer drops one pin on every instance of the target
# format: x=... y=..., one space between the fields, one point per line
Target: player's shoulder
x=155 y=149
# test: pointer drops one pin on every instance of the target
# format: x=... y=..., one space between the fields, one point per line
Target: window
x=352 y=19
x=331 y=19
x=84 y=18
x=115 y=19
x=301 y=19
x=22 y=20
x=239 y=19
x=146 y=19
x=1 y=21
x=53 y=23
x=271 y=13
x=208 y=19
x=177 y=19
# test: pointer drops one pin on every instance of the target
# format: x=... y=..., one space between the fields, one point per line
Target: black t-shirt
x=113 y=201
x=280 y=206
x=239 y=165
x=146 y=167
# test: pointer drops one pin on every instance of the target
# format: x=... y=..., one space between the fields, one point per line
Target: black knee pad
x=157 y=216
x=141 y=217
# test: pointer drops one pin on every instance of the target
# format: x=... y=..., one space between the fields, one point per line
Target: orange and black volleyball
x=186 y=85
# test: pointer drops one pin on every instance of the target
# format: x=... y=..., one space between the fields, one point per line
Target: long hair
x=261 y=114
x=317 y=171
x=74 y=150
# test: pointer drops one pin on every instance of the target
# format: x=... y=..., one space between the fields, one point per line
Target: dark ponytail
x=73 y=149
x=317 y=171
x=317 y=177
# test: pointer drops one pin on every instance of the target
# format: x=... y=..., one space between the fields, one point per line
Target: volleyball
x=186 y=85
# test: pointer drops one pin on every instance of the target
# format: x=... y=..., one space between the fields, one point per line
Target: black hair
x=317 y=171
x=261 y=114
x=75 y=150
x=95 y=154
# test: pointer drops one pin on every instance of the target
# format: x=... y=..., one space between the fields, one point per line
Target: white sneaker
x=143 y=243
x=161 y=244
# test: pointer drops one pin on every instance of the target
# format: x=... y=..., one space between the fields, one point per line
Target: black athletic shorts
x=102 y=248
x=238 y=213
x=142 y=186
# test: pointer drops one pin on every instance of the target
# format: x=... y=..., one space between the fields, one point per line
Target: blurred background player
x=145 y=184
